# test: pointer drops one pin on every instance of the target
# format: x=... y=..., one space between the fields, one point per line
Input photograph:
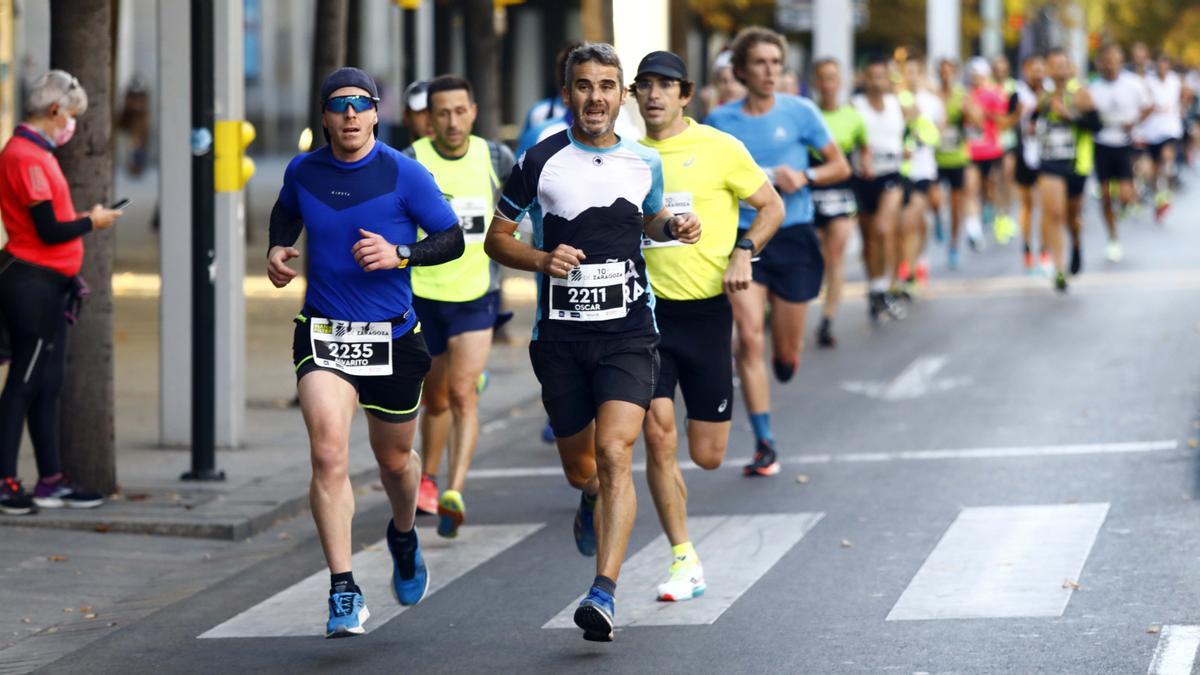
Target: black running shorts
x=1066 y=171
x=392 y=398
x=695 y=353
x=791 y=265
x=577 y=377
x=868 y=192
x=953 y=176
x=1113 y=163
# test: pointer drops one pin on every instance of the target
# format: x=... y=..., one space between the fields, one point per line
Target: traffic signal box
x=231 y=165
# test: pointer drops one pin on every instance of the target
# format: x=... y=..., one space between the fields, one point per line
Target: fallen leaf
x=52 y=630
x=139 y=497
x=1073 y=585
x=57 y=558
x=1154 y=629
x=847 y=544
x=103 y=528
x=85 y=609
x=26 y=620
x=802 y=479
x=67 y=610
x=89 y=616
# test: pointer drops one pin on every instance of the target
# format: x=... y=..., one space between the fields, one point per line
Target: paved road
x=1004 y=482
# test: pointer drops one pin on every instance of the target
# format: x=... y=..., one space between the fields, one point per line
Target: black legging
x=32 y=300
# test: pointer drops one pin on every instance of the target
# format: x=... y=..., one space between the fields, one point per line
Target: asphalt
x=1008 y=365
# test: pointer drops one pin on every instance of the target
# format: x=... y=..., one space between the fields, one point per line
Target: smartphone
x=121 y=203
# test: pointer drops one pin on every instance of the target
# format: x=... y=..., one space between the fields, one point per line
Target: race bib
x=472 y=217
x=950 y=140
x=885 y=162
x=353 y=347
x=678 y=203
x=1057 y=142
x=834 y=203
x=589 y=293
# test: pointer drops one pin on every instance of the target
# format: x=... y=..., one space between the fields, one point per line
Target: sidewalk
x=267 y=478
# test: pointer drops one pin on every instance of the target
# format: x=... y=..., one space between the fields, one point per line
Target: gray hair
x=599 y=52
x=56 y=86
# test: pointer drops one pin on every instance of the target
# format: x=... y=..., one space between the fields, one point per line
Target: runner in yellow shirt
x=706 y=172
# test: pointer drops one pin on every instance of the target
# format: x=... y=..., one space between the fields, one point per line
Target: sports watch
x=404 y=253
x=746 y=244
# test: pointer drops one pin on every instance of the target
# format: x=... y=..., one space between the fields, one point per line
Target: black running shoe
x=825 y=337
x=64 y=495
x=876 y=306
x=1076 y=260
x=14 y=501
x=766 y=462
x=783 y=370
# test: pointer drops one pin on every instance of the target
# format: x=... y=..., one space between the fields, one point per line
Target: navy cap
x=348 y=77
x=661 y=63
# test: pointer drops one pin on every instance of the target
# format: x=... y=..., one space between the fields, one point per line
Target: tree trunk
x=81 y=44
x=483 y=65
x=329 y=54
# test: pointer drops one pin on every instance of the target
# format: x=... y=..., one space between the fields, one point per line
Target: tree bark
x=81 y=44
x=483 y=65
x=329 y=54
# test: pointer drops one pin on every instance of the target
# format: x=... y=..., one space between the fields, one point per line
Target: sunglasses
x=360 y=103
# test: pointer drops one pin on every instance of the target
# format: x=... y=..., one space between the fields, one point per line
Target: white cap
x=416 y=96
x=723 y=60
x=979 y=66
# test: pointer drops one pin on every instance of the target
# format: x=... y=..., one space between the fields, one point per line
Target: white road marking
x=916 y=380
x=1004 y=561
x=904 y=455
x=301 y=610
x=1176 y=651
x=736 y=552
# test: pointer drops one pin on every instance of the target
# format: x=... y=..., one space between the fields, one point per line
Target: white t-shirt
x=1119 y=102
x=885 y=133
x=924 y=163
x=1028 y=101
x=1166 y=122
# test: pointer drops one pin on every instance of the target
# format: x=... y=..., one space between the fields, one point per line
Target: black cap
x=348 y=77
x=666 y=64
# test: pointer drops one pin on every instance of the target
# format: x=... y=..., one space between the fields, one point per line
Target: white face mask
x=61 y=137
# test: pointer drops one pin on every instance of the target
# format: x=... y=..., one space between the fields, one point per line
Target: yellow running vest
x=471 y=184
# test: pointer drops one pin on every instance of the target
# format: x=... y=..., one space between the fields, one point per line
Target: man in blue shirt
x=778 y=130
x=591 y=195
x=357 y=338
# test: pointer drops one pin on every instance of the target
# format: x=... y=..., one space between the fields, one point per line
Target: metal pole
x=943 y=22
x=991 y=39
x=204 y=367
x=833 y=37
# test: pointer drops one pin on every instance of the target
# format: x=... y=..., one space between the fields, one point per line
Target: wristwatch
x=404 y=253
x=746 y=244
x=811 y=176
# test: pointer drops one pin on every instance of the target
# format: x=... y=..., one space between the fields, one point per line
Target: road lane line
x=1175 y=653
x=301 y=610
x=908 y=455
x=736 y=552
x=1004 y=562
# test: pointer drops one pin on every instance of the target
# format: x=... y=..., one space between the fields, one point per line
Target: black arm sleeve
x=285 y=227
x=1090 y=121
x=53 y=231
x=438 y=248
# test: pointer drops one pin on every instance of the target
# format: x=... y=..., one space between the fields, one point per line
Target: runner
x=919 y=171
x=951 y=156
x=416 y=111
x=835 y=206
x=458 y=302
x=591 y=194
x=705 y=172
x=879 y=187
x=986 y=110
x=778 y=130
x=1123 y=102
x=357 y=338
x=1004 y=226
x=1163 y=131
x=1028 y=159
x=1065 y=118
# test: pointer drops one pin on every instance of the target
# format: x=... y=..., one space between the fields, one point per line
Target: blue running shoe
x=585 y=527
x=347 y=612
x=410 y=577
x=548 y=434
x=595 y=616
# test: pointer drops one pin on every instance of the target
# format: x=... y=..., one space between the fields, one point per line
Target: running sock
x=605 y=584
x=405 y=543
x=589 y=501
x=762 y=427
x=879 y=285
x=685 y=554
x=342 y=582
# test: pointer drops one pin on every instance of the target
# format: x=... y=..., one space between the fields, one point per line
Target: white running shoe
x=685 y=583
x=1114 y=252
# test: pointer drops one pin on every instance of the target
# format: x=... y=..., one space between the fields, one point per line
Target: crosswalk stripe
x=900 y=456
x=300 y=610
x=1175 y=653
x=736 y=552
x=1004 y=561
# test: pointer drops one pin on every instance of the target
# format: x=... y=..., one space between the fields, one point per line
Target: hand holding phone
x=121 y=203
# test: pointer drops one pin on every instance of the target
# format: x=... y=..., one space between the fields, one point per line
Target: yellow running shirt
x=706 y=172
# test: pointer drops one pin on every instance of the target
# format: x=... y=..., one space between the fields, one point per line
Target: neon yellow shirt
x=706 y=172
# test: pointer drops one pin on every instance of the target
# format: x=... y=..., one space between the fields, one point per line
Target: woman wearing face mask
x=38 y=266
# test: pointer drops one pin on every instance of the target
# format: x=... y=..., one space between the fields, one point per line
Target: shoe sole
x=696 y=592
x=596 y=626
x=55 y=503
x=752 y=471
x=10 y=511
x=344 y=632
x=424 y=591
x=449 y=520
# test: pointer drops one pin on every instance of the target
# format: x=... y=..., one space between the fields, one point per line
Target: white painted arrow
x=917 y=380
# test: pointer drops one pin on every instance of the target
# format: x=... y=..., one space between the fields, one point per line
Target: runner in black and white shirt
x=591 y=195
